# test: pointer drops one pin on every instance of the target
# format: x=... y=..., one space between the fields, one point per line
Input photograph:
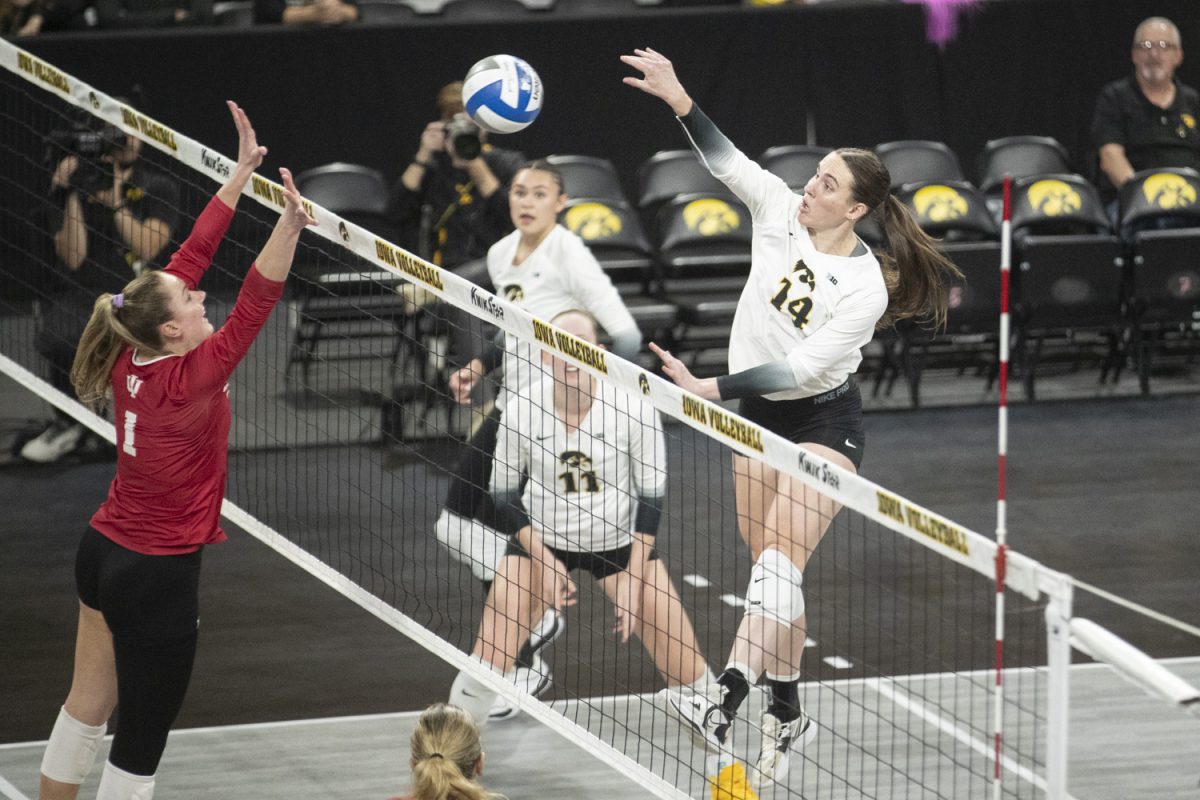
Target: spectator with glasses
x=1147 y=119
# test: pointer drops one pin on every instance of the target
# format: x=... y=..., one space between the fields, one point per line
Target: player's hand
x=557 y=587
x=627 y=601
x=463 y=381
x=677 y=371
x=294 y=216
x=250 y=152
x=658 y=79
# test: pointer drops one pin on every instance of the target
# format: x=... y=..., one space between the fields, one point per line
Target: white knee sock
x=473 y=696
x=72 y=749
x=117 y=784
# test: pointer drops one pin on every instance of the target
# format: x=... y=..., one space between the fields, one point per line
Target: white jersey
x=561 y=274
x=814 y=309
x=583 y=485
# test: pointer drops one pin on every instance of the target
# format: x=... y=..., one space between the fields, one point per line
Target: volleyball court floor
x=1103 y=490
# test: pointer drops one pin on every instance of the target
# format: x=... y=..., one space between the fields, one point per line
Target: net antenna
x=916 y=718
x=1001 y=488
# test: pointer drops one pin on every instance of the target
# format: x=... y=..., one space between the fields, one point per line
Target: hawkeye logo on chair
x=1168 y=191
x=938 y=203
x=592 y=221
x=1053 y=198
x=711 y=217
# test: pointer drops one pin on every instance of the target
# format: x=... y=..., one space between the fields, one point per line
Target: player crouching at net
x=545 y=269
x=152 y=350
x=814 y=297
x=593 y=457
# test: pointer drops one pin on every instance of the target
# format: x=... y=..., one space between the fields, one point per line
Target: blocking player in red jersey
x=153 y=350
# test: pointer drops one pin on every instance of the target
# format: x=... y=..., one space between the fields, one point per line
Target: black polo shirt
x=1151 y=136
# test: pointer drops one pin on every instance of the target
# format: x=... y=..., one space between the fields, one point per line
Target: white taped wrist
x=72 y=749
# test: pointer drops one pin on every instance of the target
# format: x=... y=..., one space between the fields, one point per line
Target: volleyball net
x=345 y=442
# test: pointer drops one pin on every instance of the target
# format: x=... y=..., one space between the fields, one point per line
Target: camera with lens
x=95 y=149
x=464 y=137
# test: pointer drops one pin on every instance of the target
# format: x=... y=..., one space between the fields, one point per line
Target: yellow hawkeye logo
x=1054 y=198
x=938 y=203
x=1168 y=191
x=711 y=217
x=592 y=221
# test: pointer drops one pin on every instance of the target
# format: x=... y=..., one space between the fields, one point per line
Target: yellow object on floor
x=731 y=784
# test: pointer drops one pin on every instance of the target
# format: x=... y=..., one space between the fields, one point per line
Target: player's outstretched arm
x=658 y=79
x=275 y=261
x=250 y=157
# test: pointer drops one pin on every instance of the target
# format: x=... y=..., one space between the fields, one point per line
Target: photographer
x=111 y=217
x=452 y=200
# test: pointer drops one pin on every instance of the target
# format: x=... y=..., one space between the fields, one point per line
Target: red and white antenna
x=1001 y=464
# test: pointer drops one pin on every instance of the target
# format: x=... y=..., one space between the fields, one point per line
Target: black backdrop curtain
x=863 y=74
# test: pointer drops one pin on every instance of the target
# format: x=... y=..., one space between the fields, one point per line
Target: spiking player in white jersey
x=815 y=295
x=593 y=457
x=544 y=269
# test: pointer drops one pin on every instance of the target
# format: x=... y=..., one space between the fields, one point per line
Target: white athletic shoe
x=547 y=630
x=702 y=715
x=53 y=443
x=778 y=740
x=533 y=680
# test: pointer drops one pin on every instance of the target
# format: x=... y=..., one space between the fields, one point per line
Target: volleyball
x=502 y=94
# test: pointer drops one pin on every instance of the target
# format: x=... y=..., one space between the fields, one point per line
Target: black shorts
x=144 y=599
x=833 y=419
x=468 y=496
x=600 y=564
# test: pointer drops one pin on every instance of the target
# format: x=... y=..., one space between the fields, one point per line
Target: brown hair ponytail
x=445 y=751
x=914 y=269
x=130 y=319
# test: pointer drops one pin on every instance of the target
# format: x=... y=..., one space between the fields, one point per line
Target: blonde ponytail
x=129 y=319
x=445 y=754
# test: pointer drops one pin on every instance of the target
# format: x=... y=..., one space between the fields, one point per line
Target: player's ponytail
x=129 y=319
x=913 y=268
x=445 y=756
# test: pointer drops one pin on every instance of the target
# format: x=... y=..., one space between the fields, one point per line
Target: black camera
x=464 y=137
x=95 y=149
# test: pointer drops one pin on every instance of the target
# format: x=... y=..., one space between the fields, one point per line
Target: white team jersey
x=583 y=485
x=559 y=275
x=815 y=309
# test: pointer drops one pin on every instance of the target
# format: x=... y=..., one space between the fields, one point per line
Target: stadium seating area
x=1081 y=291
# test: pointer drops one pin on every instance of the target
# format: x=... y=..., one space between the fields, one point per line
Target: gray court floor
x=1124 y=745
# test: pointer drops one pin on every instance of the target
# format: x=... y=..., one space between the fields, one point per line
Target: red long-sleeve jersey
x=172 y=416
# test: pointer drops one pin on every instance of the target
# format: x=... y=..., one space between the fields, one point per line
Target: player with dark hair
x=815 y=296
x=544 y=269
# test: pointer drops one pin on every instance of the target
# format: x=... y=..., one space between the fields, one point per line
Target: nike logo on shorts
x=851 y=444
